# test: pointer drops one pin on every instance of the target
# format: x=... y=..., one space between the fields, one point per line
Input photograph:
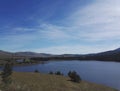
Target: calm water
x=107 y=73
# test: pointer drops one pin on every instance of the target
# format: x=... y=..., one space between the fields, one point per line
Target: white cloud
x=53 y=32
x=75 y=49
x=99 y=12
x=15 y=39
x=98 y=21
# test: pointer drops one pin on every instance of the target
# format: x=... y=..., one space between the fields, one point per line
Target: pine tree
x=74 y=76
x=6 y=74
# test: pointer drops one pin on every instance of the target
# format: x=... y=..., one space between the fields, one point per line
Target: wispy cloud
x=88 y=27
x=75 y=49
x=99 y=20
x=53 y=32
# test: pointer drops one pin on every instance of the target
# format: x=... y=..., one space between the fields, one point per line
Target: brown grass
x=45 y=82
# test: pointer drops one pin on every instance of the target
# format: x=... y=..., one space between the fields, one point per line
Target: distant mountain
x=32 y=54
x=111 y=52
x=118 y=50
x=112 y=55
x=4 y=54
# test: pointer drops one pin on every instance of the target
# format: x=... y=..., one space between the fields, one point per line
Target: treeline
x=99 y=57
x=59 y=58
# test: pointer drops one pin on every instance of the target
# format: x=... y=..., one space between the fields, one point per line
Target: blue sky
x=59 y=26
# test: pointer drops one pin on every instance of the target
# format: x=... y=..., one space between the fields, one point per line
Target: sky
x=59 y=26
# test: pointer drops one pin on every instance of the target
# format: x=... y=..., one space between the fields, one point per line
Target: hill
x=32 y=54
x=46 y=82
x=112 y=55
x=5 y=54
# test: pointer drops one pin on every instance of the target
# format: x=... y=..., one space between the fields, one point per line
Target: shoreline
x=47 y=80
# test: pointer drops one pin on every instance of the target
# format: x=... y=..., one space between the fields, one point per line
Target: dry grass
x=43 y=82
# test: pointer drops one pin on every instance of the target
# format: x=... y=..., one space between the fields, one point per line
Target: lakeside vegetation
x=24 y=81
x=17 y=84
x=34 y=58
x=35 y=81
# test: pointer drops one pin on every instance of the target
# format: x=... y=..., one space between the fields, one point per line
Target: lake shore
x=93 y=71
x=2 y=63
x=45 y=82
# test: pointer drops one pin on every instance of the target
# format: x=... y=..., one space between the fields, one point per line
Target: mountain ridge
x=107 y=55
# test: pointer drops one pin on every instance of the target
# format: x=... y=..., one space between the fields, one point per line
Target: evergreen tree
x=6 y=73
x=74 y=76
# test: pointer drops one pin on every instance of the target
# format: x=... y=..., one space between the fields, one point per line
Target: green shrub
x=74 y=76
x=36 y=71
x=51 y=72
x=58 y=73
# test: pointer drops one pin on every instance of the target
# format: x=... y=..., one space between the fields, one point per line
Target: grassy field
x=45 y=82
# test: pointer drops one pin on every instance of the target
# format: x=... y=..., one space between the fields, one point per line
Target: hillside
x=112 y=55
x=5 y=54
x=46 y=82
x=32 y=54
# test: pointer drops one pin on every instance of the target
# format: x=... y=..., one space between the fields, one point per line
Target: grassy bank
x=45 y=82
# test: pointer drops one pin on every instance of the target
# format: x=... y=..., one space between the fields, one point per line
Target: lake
x=106 y=73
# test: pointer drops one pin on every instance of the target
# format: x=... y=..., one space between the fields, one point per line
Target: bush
x=58 y=73
x=74 y=76
x=51 y=72
x=36 y=71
